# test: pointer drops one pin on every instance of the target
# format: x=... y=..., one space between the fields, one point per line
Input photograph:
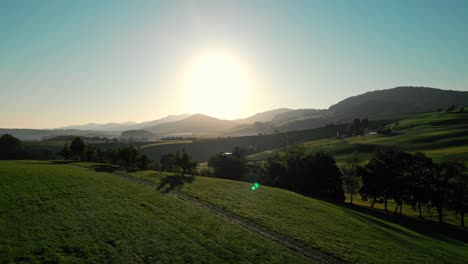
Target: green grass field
x=347 y=233
x=440 y=135
x=59 y=213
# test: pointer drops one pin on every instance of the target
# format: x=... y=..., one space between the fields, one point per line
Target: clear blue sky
x=71 y=62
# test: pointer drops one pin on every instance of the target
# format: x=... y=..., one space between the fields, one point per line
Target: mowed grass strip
x=340 y=231
x=63 y=213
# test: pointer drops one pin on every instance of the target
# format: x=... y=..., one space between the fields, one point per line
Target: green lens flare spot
x=253 y=188
x=256 y=185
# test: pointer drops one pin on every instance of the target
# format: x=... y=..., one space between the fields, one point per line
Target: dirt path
x=293 y=244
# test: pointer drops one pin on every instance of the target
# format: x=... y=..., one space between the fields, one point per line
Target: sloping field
x=440 y=135
x=61 y=213
x=52 y=212
x=354 y=234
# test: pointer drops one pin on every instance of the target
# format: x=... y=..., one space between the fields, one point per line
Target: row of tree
x=392 y=175
x=127 y=156
x=313 y=174
x=413 y=179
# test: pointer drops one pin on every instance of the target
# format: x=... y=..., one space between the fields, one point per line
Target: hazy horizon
x=69 y=63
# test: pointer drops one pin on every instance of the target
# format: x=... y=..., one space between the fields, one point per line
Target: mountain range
x=379 y=104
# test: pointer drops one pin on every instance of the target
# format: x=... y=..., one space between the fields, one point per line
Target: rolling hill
x=197 y=123
x=266 y=116
x=440 y=135
x=59 y=212
x=400 y=101
x=376 y=105
x=127 y=125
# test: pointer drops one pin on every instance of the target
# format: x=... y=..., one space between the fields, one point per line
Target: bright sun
x=218 y=84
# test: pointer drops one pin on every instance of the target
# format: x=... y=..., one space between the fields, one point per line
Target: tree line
x=128 y=156
x=315 y=174
x=414 y=179
x=391 y=175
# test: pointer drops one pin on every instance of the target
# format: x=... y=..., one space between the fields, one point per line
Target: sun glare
x=218 y=84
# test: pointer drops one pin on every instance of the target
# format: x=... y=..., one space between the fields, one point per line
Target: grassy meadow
x=60 y=213
x=440 y=135
x=354 y=234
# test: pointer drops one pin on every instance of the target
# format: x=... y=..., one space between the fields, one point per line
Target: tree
x=228 y=166
x=128 y=156
x=100 y=155
x=420 y=175
x=168 y=163
x=65 y=152
x=450 y=108
x=143 y=162
x=458 y=186
x=276 y=172
x=90 y=152
x=185 y=162
x=10 y=147
x=444 y=173
x=77 y=149
x=384 y=177
x=316 y=174
x=399 y=189
x=113 y=156
x=351 y=178
x=239 y=153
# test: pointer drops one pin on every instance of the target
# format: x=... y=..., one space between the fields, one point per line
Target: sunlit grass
x=349 y=234
x=58 y=213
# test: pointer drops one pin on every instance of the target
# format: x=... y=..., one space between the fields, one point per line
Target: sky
x=71 y=62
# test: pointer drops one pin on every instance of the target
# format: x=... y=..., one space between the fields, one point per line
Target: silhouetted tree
x=128 y=156
x=351 y=178
x=239 y=153
x=143 y=162
x=276 y=172
x=228 y=166
x=100 y=155
x=168 y=162
x=399 y=186
x=65 y=152
x=77 y=149
x=440 y=186
x=317 y=174
x=113 y=155
x=419 y=179
x=185 y=162
x=10 y=147
x=384 y=177
x=90 y=152
x=458 y=184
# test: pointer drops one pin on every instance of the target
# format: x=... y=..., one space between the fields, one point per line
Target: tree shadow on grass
x=171 y=182
x=445 y=232
x=53 y=162
x=105 y=168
